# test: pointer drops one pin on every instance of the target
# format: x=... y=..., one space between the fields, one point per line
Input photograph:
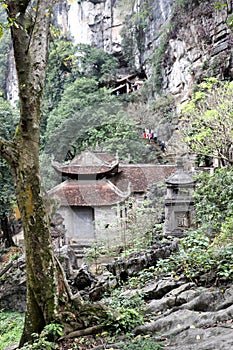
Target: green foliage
x=219 y=5
x=52 y=331
x=67 y=63
x=137 y=226
x=200 y=260
x=230 y=21
x=214 y=198
x=96 y=63
x=11 y=327
x=207 y=120
x=205 y=255
x=5 y=48
x=8 y=119
x=133 y=32
x=226 y=230
x=8 y=122
x=93 y=253
x=127 y=312
x=60 y=71
x=46 y=340
x=156 y=63
x=141 y=278
x=40 y=343
x=89 y=116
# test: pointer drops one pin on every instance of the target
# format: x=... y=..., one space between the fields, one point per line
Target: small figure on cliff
x=163 y=146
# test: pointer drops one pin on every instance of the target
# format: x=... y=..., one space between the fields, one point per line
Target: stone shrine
x=179 y=204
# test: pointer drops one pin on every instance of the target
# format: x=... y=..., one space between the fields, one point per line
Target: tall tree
x=29 y=23
x=207 y=121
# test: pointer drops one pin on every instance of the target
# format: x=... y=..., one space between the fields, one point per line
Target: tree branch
x=18 y=6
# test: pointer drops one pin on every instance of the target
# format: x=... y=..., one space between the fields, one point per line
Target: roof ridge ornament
x=180 y=164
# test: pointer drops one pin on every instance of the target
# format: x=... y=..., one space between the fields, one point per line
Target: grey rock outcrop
x=94 y=22
x=199 y=46
x=189 y=317
x=13 y=286
x=135 y=262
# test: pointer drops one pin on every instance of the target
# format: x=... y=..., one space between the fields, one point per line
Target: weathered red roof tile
x=115 y=189
x=141 y=176
x=88 y=163
x=90 y=193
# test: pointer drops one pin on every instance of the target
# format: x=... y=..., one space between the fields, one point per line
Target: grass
x=11 y=327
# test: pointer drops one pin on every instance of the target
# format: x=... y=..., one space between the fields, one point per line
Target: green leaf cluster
x=5 y=48
x=214 y=198
x=206 y=121
x=127 y=314
x=200 y=260
x=96 y=63
x=39 y=343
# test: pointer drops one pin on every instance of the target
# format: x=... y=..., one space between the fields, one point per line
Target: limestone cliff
x=175 y=42
x=94 y=22
x=198 y=45
x=188 y=39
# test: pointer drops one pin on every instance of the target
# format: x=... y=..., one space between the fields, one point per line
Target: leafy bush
x=214 y=198
x=126 y=320
x=141 y=278
x=46 y=340
x=207 y=120
x=52 y=331
x=127 y=312
x=200 y=260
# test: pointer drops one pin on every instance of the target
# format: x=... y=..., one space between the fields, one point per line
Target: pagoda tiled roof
x=122 y=179
x=88 y=163
x=141 y=176
x=88 y=193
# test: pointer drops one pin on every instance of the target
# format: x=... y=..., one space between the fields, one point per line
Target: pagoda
x=95 y=186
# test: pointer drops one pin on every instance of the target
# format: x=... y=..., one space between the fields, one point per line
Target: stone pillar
x=179 y=204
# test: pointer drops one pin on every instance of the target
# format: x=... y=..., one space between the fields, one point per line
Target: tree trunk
x=42 y=285
x=29 y=30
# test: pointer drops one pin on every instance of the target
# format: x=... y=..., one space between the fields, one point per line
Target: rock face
x=199 y=45
x=193 y=41
x=176 y=45
x=130 y=265
x=94 y=22
x=189 y=317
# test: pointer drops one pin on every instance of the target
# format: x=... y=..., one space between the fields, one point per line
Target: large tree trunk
x=42 y=285
x=29 y=31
